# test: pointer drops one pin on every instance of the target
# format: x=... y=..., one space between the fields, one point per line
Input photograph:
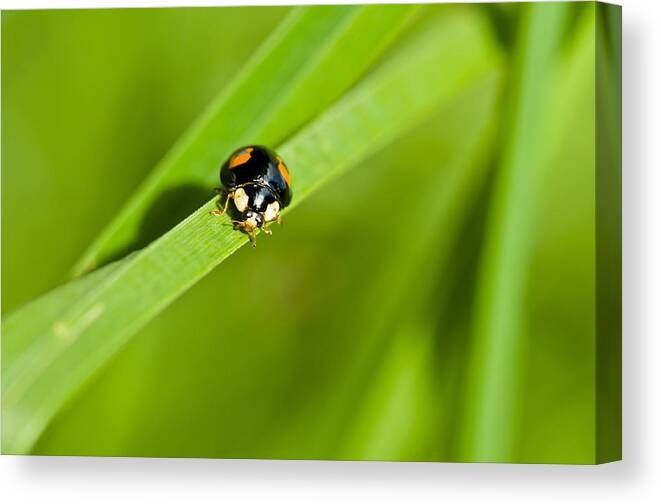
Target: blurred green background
x=353 y=332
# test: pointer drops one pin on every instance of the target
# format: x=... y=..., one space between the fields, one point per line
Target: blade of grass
x=489 y=414
x=69 y=346
x=311 y=58
x=22 y=326
x=409 y=278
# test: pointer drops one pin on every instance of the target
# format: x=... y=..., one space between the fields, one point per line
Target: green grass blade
x=311 y=59
x=22 y=325
x=69 y=346
x=490 y=402
x=399 y=341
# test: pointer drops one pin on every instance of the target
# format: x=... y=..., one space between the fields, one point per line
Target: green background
x=353 y=332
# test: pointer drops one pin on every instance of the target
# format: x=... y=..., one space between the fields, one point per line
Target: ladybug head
x=250 y=224
x=253 y=220
x=258 y=200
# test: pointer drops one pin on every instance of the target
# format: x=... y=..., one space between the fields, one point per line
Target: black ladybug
x=257 y=181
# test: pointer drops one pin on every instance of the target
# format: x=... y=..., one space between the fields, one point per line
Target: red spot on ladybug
x=282 y=168
x=240 y=158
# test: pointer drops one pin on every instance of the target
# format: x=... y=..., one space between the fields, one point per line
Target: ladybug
x=257 y=186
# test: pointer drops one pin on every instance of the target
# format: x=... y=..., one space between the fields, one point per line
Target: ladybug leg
x=249 y=230
x=252 y=235
x=267 y=229
x=227 y=201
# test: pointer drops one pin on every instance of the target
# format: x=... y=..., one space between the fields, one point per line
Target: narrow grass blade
x=67 y=347
x=398 y=340
x=537 y=115
x=23 y=326
x=310 y=60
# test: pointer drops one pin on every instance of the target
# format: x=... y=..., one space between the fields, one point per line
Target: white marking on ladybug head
x=272 y=211
x=253 y=220
x=240 y=200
